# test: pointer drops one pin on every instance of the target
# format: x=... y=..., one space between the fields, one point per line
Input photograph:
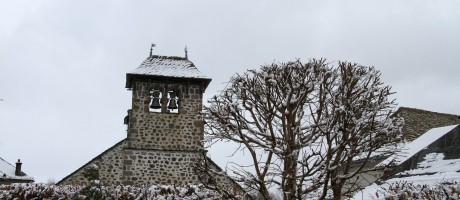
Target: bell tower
x=165 y=132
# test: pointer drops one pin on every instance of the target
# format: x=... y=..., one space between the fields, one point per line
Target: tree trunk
x=337 y=191
x=290 y=185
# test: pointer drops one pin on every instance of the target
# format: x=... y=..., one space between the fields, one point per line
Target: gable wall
x=110 y=165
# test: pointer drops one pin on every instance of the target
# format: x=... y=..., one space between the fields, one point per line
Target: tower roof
x=167 y=67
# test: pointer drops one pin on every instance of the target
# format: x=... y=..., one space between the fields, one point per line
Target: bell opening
x=172 y=102
x=155 y=102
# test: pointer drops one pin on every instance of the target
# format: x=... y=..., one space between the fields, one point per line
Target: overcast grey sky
x=63 y=63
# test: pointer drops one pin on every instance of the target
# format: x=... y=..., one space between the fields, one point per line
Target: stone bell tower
x=165 y=131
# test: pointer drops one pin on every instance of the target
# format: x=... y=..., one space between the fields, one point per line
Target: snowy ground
x=432 y=171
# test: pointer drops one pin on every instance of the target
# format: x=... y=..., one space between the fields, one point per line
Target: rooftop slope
x=410 y=148
x=170 y=66
x=418 y=121
x=432 y=158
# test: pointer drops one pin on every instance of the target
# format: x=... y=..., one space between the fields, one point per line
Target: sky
x=63 y=64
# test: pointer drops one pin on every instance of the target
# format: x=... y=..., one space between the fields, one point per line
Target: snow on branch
x=304 y=125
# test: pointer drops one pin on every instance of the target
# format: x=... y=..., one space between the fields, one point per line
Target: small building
x=13 y=174
x=165 y=130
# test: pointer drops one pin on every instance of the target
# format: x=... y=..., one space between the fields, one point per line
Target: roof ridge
x=6 y=161
x=422 y=110
x=168 y=57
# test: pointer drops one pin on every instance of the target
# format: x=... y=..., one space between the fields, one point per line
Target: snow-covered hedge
x=405 y=190
x=96 y=191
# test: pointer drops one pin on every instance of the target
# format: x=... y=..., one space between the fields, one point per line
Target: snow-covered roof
x=7 y=171
x=167 y=67
x=433 y=170
x=412 y=147
x=170 y=66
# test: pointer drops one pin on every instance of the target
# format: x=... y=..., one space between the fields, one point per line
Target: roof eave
x=130 y=78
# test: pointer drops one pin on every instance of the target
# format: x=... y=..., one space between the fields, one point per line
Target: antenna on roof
x=185 y=49
x=151 y=48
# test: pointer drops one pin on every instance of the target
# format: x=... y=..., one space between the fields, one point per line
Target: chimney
x=18 y=168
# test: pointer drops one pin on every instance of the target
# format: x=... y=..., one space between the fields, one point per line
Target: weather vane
x=185 y=49
x=151 y=48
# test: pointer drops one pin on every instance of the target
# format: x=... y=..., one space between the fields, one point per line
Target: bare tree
x=354 y=124
x=302 y=124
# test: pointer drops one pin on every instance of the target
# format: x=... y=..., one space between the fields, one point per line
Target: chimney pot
x=18 y=168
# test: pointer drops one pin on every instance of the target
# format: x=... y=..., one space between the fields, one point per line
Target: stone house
x=165 y=130
x=13 y=174
x=424 y=132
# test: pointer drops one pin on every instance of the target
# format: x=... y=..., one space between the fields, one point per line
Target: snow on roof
x=7 y=171
x=418 y=144
x=170 y=66
x=432 y=171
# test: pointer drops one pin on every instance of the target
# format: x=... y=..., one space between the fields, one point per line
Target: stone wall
x=118 y=165
x=110 y=164
x=151 y=167
x=166 y=131
x=159 y=167
x=417 y=121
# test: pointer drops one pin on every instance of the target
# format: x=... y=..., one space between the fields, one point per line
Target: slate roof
x=167 y=67
x=7 y=172
x=418 y=121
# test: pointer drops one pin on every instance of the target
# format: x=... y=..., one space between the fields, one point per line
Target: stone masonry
x=110 y=165
x=166 y=131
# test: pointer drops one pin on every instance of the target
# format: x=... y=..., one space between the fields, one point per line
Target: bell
x=172 y=101
x=155 y=101
x=172 y=104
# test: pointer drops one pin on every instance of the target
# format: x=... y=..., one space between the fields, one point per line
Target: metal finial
x=186 y=52
x=151 y=48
